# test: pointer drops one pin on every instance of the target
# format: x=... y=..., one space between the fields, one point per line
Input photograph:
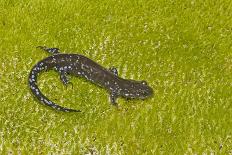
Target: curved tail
x=38 y=94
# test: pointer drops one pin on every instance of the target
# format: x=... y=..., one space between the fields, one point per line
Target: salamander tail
x=38 y=94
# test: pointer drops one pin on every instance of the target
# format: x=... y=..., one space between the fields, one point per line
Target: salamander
x=81 y=66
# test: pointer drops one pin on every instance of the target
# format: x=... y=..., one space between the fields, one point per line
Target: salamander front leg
x=113 y=70
x=49 y=50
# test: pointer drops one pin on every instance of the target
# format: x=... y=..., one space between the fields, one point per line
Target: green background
x=183 y=49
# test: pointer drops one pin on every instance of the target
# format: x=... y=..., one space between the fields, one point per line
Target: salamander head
x=136 y=89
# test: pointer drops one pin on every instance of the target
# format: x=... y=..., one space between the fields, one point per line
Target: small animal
x=79 y=65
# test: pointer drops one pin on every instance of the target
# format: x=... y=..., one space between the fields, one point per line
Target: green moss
x=183 y=49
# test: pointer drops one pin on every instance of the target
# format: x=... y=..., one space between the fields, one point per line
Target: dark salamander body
x=79 y=65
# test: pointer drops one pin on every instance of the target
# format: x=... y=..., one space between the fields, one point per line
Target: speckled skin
x=79 y=65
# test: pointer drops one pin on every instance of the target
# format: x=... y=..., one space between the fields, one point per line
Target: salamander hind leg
x=49 y=50
x=113 y=98
x=64 y=78
x=113 y=70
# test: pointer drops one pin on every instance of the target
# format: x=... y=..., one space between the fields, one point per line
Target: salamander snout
x=144 y=90
x=137 y=89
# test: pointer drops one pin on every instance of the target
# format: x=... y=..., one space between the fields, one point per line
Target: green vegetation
x=183 y=49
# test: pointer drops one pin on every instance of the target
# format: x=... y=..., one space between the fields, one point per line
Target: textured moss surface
x=182 y=48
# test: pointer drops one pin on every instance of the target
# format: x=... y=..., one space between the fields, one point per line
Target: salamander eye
x=144 y=82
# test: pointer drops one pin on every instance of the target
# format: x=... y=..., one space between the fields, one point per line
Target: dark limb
x=49 y=50
x=113 y=98
x=64 y=78
x=113 y=70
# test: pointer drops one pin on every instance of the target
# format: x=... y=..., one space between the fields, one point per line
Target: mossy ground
x=183 y=49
